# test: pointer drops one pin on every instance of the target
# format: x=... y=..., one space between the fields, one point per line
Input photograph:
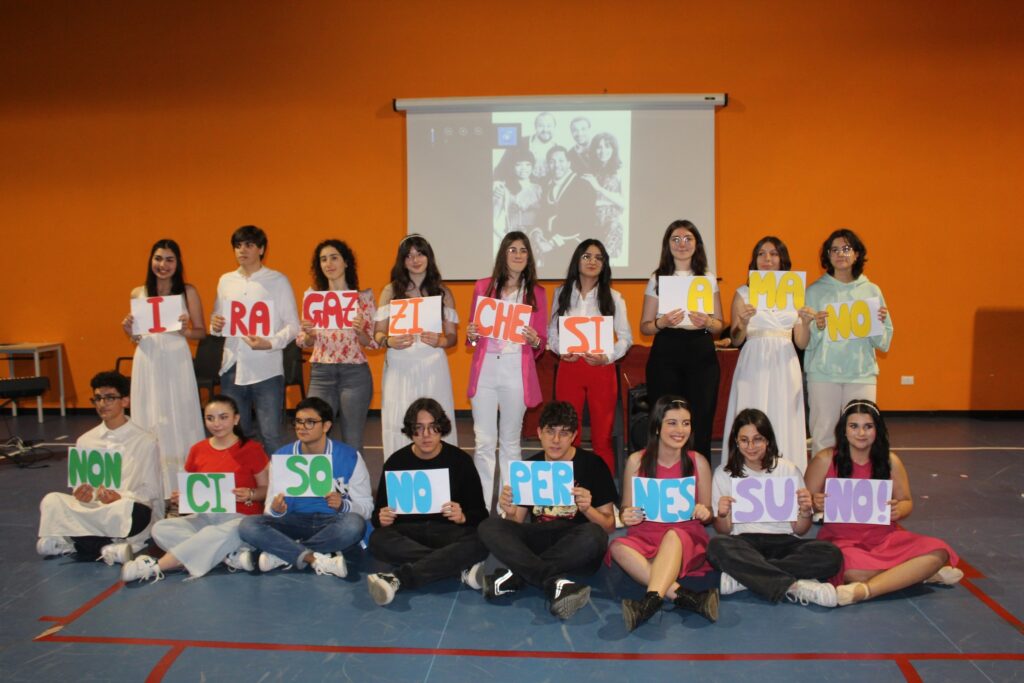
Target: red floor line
x=165 y=663
x=908 y=670
x=993 y=605
x=65 y=620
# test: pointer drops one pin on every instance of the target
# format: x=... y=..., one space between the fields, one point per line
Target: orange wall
x=123 y=122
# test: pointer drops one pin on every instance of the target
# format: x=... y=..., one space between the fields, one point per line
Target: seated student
x=88 y=521
x=559 y=539
x=199 y=542
x=428 y=547
x=313 y=532
x=769 y=558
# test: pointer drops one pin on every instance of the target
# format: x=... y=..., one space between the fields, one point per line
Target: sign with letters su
x=765 y=499
x=301 y=476
x=94 y=467
x=414 y=316
x=157 y=314
x=858 y=501
x=688 y=292
x=249 y=317
x=417 y=492
x=782 y=290
x=665 y=500
x=206 y=492
x=854 y=319
x=585 y=334
x=503 y=320
x=540 y=482
x=332 y=310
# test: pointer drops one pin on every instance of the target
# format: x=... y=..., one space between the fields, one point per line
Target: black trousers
x=427 y=551
x=540 y=551
x=87 y=548
x=768 y=564
x=684 y=363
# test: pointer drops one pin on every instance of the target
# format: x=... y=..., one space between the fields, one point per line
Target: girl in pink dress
x=658 y=554
x=876 y=559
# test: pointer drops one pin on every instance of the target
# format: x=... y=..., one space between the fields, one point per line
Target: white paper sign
x=665 y=500
x=206 y=492
x=157 y=314
x=414 y=316
x=858 y=501
x=781 y=290
x=853 y=320
x=585 y=334
x=417 y=492
x=245 y=317
x=301 y=476
x=540 y=482
x=765 y=499
x=331 y=310
x=688 y=292
x=502 y=320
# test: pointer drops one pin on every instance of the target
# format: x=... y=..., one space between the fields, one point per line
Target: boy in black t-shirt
x=559 y=539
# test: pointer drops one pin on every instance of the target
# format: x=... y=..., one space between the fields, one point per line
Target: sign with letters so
x=858 y=501
x=414 y=316
x=782 y=290
x=417 y=492
x=249 y=317
x=301 y=475
x=688 y=292
x=206 y=492
x=854 y=320
x=332 y=310
x=665 y=500
x=94 y=467
x=157 y=314
x=541 y=482
x=765 y=499
x=503 y=320
x=585 y=334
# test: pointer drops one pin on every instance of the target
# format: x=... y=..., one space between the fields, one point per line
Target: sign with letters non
x=94 y=467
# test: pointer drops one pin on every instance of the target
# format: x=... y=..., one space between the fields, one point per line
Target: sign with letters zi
x=206 y=492
x=301 y=475
x=854 y=320
x=782 y=290
x=765 y=499
x=503 y=320
x=417 y=492
x=157 y=314
x=249 y=317
x=665 y=500
x=858 y=501
x=94 y=467
x=332 y=310
x=541 y=482
x=688 y=292
x=415 y=316
x=585 y=334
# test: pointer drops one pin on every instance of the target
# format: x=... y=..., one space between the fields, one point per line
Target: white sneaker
x=142 y=568
x=330 y=564
x=383 y=587
x=474 y=576
x=806 y=591
x=729 y=585
x=270 y=562
x=116 y=553
x=240 y=561
x=50 y=546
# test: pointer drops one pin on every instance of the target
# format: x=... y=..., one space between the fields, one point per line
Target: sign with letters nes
x=858 y=501
x=248 y=317
x=782 y=290
x=417 y=492
x=765 y=499
x=854 y=320
x=332 y=310
x=541 y=482
x=503 y=320
x=665 y=500
x=415 y=316
x=95 y=468
x=585 y=334
x=157 y=314
x=688 y=292
x=206 y=492
x=301 y=475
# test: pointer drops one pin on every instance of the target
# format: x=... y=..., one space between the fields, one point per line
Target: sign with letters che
x=503 y=320
x=157 y=314
x=414 y=316
x=301 y=475
x=248 y=317
x=417 y=492
x=858 y=501
x=665 y=500
x=332 y=310
x=688 y=292
x=854 y=320
x=541 y=482
x=206 y=492
x=781 y=290
x=585 y=334
x=94 y=467
x=765 y=499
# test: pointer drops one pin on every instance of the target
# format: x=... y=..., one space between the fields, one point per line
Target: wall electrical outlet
x=907 y=379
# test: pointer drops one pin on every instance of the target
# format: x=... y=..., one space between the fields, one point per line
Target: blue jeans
x=348 y=388
x=294 y=534
x=267 y=397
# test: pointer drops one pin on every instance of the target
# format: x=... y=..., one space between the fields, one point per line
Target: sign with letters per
x=301 y=475
x=503 y=320
x=854 y=320
x=157 y=314
x=858 y=501
x=665 y=500
x=540 y=482
x=248 y=317
x=417 y=492
x=414 y=316
x=765 y=499
x=781 y=290
x=585 y=334
x=688 y=292
x=94 y=467
x=206 y=492
x=331 y=310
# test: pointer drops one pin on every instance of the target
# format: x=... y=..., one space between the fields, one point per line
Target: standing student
x=590 y=377
x=252 y=369
x=165 y=399
x=416 y=364
x=338 y=371
x=683 y=359
x=503 y=374
x=603 y=175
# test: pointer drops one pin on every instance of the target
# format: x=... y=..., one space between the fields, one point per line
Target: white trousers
x=827 y=400
x=499 y=388
x=200 y=541
x=61 y=514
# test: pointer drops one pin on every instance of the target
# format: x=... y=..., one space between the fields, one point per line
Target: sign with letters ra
x=206 y=492
x=688 y=292
x=417 y=492
x=858 y=501
x=503 y=320
x=332 y=310
x=415 y=316
x=854 y=320
x=156 y=314
x=665 y=500
x=585 y=334
x=94 y=467
x=541 y=482
x=249 y=317
x=301 y=475
x=765 y=499
x=782 y=290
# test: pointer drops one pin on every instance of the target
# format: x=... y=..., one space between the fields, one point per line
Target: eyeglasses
x=682 y=239
x=592 y=257
x=306 y=423
x=557 y=432
x=844 y=250
x=756 y=442
x=421 y=429
x=106 y=398
x=518 y=251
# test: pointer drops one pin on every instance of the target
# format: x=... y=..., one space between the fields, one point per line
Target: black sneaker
x=567 y=597
x=501 y=582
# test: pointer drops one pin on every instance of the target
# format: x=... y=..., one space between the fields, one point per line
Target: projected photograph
x=562 y=177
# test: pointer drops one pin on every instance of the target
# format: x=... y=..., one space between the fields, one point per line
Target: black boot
x=636 y=612
x=704 y=603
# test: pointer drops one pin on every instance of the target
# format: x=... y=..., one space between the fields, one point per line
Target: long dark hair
x=879 y=454
x=572 y=279
x=699 y=260
x=501 y=276
x=649 y=460
x=505 y=171
x=614 y=163
x=433 y=284
x=851 y=238
x=227 y=400
x=751 y=416
x=784 y=261
x=320 y=283
x=177 y=280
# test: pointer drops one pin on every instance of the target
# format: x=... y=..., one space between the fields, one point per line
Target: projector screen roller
x=560 y=174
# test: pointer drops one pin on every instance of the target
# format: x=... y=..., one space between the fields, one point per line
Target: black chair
x=123 y=359
x=207 y=364
x=293 y=369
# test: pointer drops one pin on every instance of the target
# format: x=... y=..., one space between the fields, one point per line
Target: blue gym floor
x=64 y=620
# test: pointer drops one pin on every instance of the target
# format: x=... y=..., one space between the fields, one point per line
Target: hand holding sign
x=331 y=310
x=541 y=482
x=157 y=314
x=666 y=500
x=502 y=320
x=782 y=290
x=94 y=468
x=585 y=334
x=764 y=499
x=858 y=501
x=418 y=492
x=302 y=476
x=690 y=293
x=414 y=316
x=206 y=492
x=246 y=318
x=854 y=319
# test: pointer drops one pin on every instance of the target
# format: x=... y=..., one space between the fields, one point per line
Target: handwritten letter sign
x=417 y=492
x=585 y=334
x=206 y=492
x=302 y=476
x=415 y=316
x=778 y=289
x=665 y=500
x=765 y=499
x=688 y=292
x=249 y=317
x=157 y=314
x=95 y=468
x=501 y=319
x=541 y=482
x=858 y=501
x=330 y=310
x=854 y=320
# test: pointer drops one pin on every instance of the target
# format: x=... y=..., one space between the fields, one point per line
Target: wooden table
x=36 y=350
